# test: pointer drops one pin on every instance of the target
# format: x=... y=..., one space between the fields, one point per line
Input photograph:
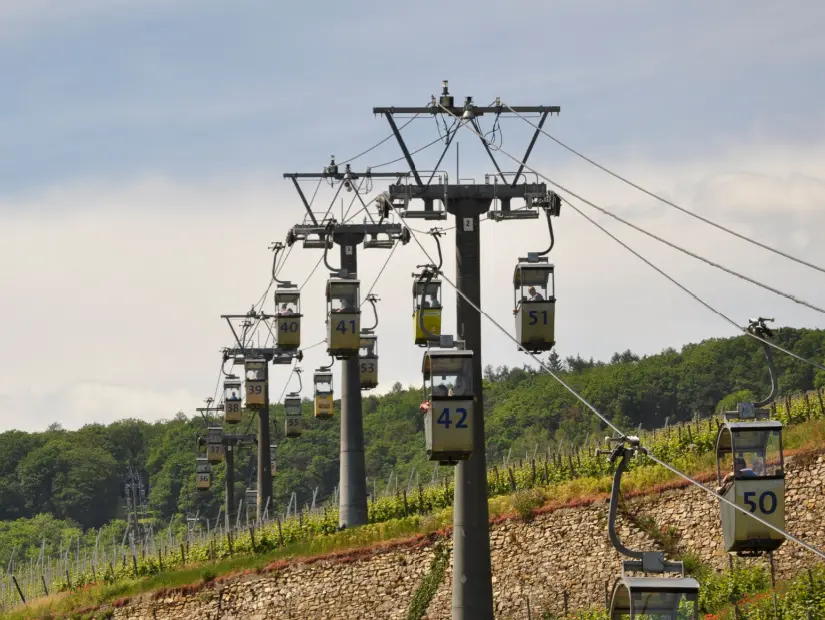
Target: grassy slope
x=803 y=438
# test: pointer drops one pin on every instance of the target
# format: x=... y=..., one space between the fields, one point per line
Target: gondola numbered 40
x=232 y=404
x=288 y=317
x=535 y=304
x=448 y=407
x=343 y=317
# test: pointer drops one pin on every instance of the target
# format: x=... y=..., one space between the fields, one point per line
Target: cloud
x=113 y=292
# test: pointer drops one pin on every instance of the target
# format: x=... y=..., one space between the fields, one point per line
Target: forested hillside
x=73 y=480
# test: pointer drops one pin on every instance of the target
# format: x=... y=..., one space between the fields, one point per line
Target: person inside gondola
x=438 y=391
x=741 y=468
x=534 y=295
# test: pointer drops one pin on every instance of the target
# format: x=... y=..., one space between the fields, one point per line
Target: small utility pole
x=322 y=234
x=276 y=356
x=472 y=571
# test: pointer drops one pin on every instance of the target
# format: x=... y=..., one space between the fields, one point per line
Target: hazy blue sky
x=143 y=144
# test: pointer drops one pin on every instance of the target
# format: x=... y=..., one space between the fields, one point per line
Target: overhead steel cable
x=673 y=280
x=376 y=145
x=378 y=277
x=665 y=200
x=604 y=419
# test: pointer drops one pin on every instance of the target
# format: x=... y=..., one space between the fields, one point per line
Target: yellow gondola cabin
x=750 y=472
x=426 y=309
x=535 y=304
x=368 y=361
x=448 y=406
x=293 y=419
x=288 y=318
x=323 y=395
x=203 y=474
x=232 y=404
x=256 y=383
x=343 y=317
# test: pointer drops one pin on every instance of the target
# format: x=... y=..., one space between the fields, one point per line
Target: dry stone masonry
x=562 y=558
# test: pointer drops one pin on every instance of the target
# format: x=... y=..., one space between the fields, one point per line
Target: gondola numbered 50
x=448 y=405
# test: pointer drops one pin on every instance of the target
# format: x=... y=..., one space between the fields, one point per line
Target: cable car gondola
x=288 y=317
x=256 y=383
x=750 y=468
x=656 y=598
x=426 y=307
x=323 y=394
x=203 y=474
x=214 y=444
x=368 y=361
x=535 y=303
x=448 y=407
x=272 y=448
x=232 y=410
x=294 y=423
x=343 y=317
x=293 y=418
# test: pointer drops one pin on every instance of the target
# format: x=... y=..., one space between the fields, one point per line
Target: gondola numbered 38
x=343 y=317
x=232 y=404
x=448 y=408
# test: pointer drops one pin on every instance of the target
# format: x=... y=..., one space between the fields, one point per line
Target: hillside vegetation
x=59 y=485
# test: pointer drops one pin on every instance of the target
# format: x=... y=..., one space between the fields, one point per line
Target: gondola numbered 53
x=448 y=407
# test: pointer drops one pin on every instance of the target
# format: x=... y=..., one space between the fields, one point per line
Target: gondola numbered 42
x=448 y=405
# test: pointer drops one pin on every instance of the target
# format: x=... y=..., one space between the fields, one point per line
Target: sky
x=143 y=147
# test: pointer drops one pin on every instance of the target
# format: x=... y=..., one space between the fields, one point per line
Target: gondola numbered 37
x=448 y=408
x=214 y=444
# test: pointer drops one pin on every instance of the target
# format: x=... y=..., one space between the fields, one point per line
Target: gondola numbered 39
x=448 y=408
x=256 y=383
